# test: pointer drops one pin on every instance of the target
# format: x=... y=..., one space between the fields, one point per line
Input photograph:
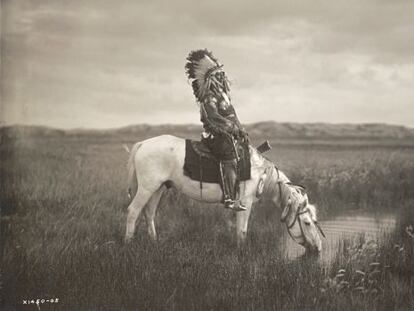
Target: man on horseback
x=222 y=129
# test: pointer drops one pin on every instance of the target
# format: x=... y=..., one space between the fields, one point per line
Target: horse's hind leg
x=134 y=209
x=150 y=211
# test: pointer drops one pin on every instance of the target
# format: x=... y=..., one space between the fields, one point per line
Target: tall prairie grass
x=63 y=215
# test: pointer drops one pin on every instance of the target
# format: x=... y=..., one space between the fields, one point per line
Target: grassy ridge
x=65 y=201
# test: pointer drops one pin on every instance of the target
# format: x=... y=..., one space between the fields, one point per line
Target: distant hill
x=327 y=130
x=269 y=130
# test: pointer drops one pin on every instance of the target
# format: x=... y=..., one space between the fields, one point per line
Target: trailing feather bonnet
x=206 y=74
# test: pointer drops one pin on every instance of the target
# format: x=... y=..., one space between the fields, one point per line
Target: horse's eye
x=307 y=223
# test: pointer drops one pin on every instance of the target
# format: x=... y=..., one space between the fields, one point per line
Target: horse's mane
x=275 y=181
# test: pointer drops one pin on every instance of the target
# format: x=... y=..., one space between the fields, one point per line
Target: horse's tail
x=132 y=178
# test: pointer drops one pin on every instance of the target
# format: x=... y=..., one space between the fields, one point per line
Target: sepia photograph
x=209 y=155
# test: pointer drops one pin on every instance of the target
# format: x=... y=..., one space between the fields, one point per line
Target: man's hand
x=244 y=136
x=234 y=130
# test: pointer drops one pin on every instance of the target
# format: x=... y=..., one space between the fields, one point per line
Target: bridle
x=301 y=210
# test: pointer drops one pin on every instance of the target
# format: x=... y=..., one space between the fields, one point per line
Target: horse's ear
x=260 y=186
x=286 y=210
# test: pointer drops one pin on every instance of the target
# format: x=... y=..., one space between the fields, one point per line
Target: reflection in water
x=346 y=225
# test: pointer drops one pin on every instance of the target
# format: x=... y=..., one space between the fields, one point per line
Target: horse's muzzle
x=313 y=250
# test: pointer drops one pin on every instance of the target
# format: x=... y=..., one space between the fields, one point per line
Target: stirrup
x=229 y=203
x=234 y=205
x=238 y=206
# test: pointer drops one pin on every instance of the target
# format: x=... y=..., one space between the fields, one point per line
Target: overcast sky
x=101 y=64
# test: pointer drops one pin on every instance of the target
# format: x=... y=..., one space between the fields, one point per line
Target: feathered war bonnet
x=205 y=73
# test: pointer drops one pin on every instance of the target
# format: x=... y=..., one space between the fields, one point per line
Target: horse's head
x=298 y=215
x=300 y=219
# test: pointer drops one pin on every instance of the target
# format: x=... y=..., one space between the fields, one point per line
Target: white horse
x=157 y=163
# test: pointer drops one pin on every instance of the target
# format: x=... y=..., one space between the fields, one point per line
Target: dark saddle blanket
x=201 y=165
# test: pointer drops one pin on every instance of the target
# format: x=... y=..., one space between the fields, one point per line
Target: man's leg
x=228 y=170
x=222 y=148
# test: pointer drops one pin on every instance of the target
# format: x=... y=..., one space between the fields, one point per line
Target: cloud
x=99 y=63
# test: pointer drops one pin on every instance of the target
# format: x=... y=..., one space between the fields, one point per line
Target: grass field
x=63 y=214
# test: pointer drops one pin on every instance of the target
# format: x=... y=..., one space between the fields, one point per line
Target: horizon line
x=195 y=124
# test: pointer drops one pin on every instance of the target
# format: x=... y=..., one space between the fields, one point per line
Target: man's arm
x=236 y=120
x=216 y=121
x=241 y=131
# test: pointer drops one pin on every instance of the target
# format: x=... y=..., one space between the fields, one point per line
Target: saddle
x=201 y=165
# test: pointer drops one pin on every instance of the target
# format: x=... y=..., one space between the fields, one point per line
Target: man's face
x=220 y=76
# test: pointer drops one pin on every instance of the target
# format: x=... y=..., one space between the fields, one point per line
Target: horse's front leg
x=243 y=221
